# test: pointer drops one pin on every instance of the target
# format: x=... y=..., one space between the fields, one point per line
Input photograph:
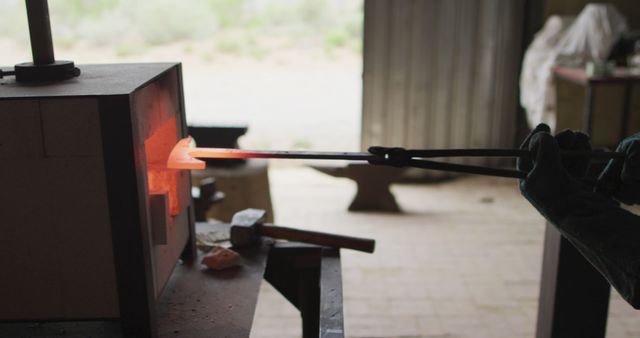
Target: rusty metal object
x=220 y=258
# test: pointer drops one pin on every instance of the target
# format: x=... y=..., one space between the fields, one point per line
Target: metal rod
x=319 y=155
x=40 y=32
x=401 y=158
x=362 y=156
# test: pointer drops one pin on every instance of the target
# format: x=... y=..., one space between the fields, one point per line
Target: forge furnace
x=92 y=221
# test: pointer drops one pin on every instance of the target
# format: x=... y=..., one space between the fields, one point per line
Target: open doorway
x=290 y=70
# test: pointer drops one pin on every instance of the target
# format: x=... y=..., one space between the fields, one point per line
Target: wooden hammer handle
x=319 y=238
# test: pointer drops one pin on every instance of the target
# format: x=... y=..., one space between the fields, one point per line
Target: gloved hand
x=576 y=165
x=552 y=178
x=605 y=234
x=621 y=177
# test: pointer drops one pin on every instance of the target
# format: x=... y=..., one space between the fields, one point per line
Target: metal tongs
x=400 y=157
x=185 y=156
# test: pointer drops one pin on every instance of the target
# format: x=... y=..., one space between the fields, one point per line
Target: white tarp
x=565 y=41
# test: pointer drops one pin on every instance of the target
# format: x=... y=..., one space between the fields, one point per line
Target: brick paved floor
x=463 y=260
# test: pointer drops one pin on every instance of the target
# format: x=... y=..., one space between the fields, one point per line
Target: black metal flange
x=44 y=68
x=28 y=72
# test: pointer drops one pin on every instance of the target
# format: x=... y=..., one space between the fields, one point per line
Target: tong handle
x=405 y=158
x=486 y=171
x=463 y=168
x=488 y=152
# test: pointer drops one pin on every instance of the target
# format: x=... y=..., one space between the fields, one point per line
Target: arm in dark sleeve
x=605 y=234
x=608 y=237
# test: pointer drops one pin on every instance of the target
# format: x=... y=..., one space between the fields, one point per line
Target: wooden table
x=204 y=303
x=621 y=76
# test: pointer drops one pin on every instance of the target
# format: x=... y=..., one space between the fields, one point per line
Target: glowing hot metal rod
x=185 y=156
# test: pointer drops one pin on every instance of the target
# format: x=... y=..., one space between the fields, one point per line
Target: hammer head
x=181 y=158
x=245 y=226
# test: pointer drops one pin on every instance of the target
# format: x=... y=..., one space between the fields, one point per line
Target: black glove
x=606 y=235
x=621 y=177
x=552 y=178
x=576 y=165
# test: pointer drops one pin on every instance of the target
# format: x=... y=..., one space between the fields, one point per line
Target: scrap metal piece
x=220 y=258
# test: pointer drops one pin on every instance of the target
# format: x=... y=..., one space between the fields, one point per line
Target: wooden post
x=574 y=297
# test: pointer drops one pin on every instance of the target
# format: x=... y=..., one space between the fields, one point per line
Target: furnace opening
x=161 y=179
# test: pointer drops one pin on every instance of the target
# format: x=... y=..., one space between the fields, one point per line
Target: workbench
x=199 y=302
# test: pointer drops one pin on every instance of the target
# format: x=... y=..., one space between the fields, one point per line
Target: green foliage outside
x=251 y=28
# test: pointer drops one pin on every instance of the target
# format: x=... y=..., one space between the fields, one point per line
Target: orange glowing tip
x=185 y=156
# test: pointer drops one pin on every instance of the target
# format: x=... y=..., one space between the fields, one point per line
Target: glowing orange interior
x=161 y=179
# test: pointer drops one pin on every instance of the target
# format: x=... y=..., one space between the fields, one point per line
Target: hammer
x=247 y=226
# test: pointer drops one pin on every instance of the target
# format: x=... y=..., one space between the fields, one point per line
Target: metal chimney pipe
x=44 y=67
x=40 y=32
